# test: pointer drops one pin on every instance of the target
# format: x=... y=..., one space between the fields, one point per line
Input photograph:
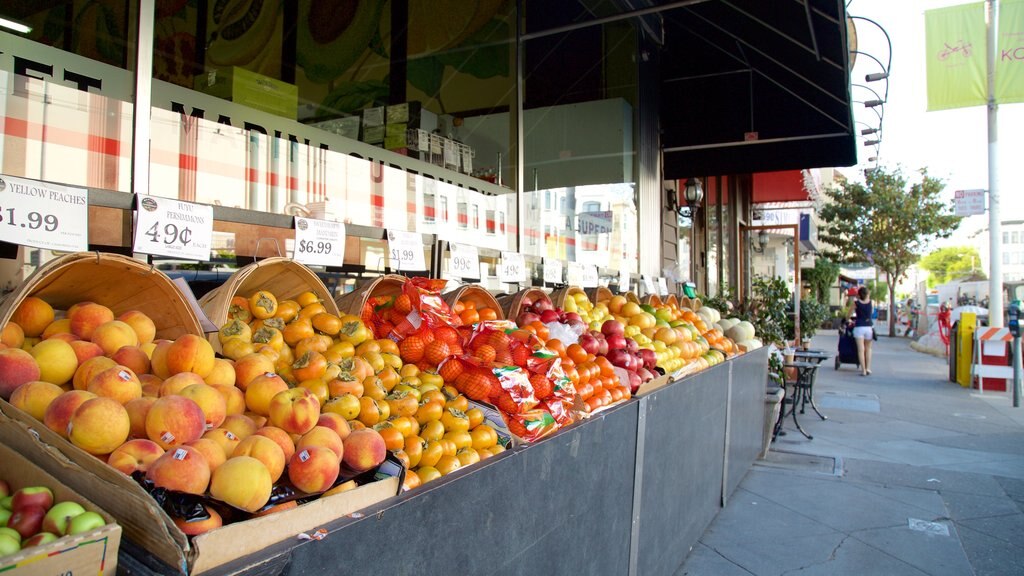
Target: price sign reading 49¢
x=174 y=228
x=512 y=269
x=464 y=261
x=319 y=242
x=43 y=215
x=405 y=250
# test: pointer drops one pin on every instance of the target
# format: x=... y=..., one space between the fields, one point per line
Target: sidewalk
x=910 y=474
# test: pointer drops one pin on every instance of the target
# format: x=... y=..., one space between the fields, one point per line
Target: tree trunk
x=892 y=307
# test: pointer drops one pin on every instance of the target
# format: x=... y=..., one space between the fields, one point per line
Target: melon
x=740 y=332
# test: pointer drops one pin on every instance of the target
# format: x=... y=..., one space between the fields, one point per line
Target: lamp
x=868 y=131
x=872 y=103
x=14 y=25
x=762 y=242
x=871 y=142
x=692 y=195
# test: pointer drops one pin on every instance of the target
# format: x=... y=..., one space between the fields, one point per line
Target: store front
x=508 y=145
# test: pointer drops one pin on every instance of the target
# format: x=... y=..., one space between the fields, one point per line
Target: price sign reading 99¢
x=405 y=250
x=624 y=281
x=574 y=274
x=464 y=261
x=649 y=287
x=662 y=286
x=43 y=215
x=319 y=242
x=168 y=227
x=512 y=269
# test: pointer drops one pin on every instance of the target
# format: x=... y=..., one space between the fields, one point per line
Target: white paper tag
x=44 y=215
x=319 y=242
x=464 y=261
x=574 y=274
x=624 y=282
x=168 y=227
x=552 y=271
x=662 y=286
x=590 y=276
x=648 y=284
x=512 y=269
x=405 y=250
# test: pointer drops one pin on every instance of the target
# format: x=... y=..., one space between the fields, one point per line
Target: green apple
x=39 y=539
x=32 y=496
x=10 y=532
x=5 y=515
x=5 y=502
x=8 y=545
x=86 y=521
x=59 y=517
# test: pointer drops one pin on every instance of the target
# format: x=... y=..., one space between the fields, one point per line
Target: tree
x=886 y=221
x=947 y=264
x=821 y=278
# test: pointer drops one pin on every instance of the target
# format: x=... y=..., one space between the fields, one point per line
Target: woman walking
x=863 y=330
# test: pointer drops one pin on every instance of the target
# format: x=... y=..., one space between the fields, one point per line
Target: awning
x=754 y=86
x=784 y=186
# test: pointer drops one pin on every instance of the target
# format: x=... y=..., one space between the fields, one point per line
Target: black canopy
x=754 y=85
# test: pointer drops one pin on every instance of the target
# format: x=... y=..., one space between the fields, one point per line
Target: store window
x=66 y=96
x=578 y=132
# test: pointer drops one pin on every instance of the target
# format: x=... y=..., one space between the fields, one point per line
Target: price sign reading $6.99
x=168 y=227
x=464 y=261
x=319 y=242
x=43 y=215
x=512 y=269
x=405 y=250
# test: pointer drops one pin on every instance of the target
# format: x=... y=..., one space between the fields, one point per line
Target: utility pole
x=995 y=281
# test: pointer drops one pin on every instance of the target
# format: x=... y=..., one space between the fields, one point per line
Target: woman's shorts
x=862 y=332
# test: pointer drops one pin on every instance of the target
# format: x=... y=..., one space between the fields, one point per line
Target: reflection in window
x=490 y=221
x=428 y=207
x=476 y=216
x=462 y=216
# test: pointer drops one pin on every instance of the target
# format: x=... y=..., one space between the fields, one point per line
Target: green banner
x=1010 y=53
x=955 y=56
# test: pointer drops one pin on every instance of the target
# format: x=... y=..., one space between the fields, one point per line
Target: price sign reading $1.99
x=405 y=250
x=168 y=227
x=464 y=261
x=512 y=269
x=319 y=242
x=43 y=215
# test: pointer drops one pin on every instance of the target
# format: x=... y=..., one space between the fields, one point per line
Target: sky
x=952 y=144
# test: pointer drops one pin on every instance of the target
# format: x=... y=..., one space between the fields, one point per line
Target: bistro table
x=802 y=392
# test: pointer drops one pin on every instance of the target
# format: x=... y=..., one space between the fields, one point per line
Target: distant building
x=1011 y=248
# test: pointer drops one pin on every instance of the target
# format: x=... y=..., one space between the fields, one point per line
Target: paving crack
x=831 y=556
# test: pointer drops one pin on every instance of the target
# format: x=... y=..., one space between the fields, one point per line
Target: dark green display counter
x=628 y=491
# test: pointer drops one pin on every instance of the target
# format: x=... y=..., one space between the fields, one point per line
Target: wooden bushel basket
x=283 y=277
x=653 y=300
x=559 y=295
x=353 y=302
x=599 y=294
x=511 y=304
x=117 y=282
x=671 y=301
x=475 y=294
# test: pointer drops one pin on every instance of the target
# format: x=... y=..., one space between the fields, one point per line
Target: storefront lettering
x=1014 y=54
x=24 y=67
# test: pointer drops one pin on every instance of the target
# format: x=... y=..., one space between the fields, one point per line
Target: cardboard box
x=348 y=126
x=147 y=525
x=251 y=89
x=92 y=552
x=373 y=134
x=396 y=136
x=373 y=116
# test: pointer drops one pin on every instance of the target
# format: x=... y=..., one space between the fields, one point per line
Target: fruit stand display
x=301 y=408
x=191 y=441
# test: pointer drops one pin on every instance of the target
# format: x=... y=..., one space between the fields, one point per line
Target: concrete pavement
x=910 y=474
